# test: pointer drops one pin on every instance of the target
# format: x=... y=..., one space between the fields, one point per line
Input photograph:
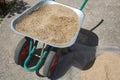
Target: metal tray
x=36 y=6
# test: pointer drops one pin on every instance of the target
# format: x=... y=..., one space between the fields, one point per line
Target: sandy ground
x=95 y=10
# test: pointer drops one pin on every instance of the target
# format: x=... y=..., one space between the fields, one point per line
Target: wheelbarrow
x=50 y=53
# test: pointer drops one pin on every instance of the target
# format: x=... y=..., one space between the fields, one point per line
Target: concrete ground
x=95 y=10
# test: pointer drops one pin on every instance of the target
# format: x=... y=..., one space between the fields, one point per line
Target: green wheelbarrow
x=49 y=54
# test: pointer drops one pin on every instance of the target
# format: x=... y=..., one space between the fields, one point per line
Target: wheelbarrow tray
x=36 y=6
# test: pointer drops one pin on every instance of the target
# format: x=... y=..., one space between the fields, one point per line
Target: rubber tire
x=48 y=63
x=18 y=50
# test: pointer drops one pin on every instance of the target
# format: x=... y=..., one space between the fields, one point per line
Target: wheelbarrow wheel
x=50 y=63
x=21 y=51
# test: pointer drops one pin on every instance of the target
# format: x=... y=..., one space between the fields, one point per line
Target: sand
x=52 y=23
x=106 y=67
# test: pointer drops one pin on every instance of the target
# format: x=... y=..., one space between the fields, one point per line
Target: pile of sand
x=106 y=67
x=53 y=23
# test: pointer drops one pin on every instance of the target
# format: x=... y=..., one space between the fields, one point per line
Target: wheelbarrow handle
x=83 y=4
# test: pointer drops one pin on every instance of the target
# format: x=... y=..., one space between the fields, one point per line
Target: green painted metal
x=83 y=4
x=31 y=52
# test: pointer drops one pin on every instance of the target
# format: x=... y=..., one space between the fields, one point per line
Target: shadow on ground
x=81 y=54
x=19 y=7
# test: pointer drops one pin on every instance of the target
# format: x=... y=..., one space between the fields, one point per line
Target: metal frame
x=44 y=54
